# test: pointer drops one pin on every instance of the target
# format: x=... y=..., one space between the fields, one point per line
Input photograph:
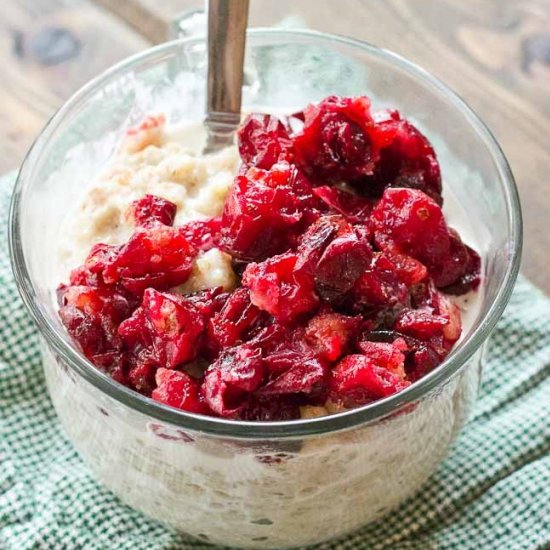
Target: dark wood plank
x=48 y=49
x=495 y=54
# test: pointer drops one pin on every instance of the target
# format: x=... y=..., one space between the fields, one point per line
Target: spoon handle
x=227 y=20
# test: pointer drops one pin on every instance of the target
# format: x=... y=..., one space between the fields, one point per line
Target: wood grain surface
x=494 y=53
x=48 y=49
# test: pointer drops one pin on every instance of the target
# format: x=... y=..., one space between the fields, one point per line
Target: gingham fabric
x=491 y=493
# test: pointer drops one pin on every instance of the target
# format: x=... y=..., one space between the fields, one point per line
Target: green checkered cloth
x=492 y=492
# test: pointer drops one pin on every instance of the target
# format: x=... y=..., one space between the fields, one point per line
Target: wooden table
x=494 y=53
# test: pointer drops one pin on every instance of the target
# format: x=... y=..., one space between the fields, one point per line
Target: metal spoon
x=227 y=20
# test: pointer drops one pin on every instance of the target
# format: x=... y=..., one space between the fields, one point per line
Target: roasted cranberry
x=209 y=301
x=142 y=367
x=356 y=209
x=420 y=324
x=302 y=377
x=408 y=270
x=167 y=326
x=421 y=357
x=437 y=324
x=263 y=140
x=237 y=372
x=407 y=161
x=264 y=210
x=407 y=221
x=342 y=263
x=313 y=242
x=358 y=380
x=159 y=257
x=202 y=234
x=339 y=140
x=426 y=298
x=178 y=390
x=90 y=274
x=92 y=316
x=151 y=209
x=385 y=354
x=276 y=287
x=233 y=322
x=271 y=408
x=330 y=334
x=410 y=222
x=379 y=286
x=459 y=271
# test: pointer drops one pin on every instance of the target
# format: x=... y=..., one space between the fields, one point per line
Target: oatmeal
x=158 y=278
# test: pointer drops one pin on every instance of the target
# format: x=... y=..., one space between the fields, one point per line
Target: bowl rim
x=239 y=429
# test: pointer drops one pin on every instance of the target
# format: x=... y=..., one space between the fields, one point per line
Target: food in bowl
x=316 y=274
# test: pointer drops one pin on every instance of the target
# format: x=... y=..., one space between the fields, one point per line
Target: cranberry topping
x=265 y=211
x=276 y=286
x=263 y=141
x=359 y=379
x=335 y=228
x=407 y=221
x=151 y=209
x=339 y=140
x=178 y=390
x=166 y=328
x=407 y=161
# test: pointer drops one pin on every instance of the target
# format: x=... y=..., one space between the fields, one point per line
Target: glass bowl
x=272 y=484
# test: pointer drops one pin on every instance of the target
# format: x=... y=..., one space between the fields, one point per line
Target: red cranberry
x=233 y=322
x=263 y=141
x=167 y=326
x=379 y=286
x=410 y=222
x=151 y=209
x=420 y=324
x=179 y=390
x=342 y=263
x=276 y=287
x=208 y=302
x=264 y=211
x=313 y=242
x=92 y=316
x=437 y=322
x=356 y=209
x=407 y=221
x=237 y=372
x=339 y=140
x=90 y=274
x=142 y=367
x=202 y=234
x=330 y=334
x=459 y=271
x=358 y=380
x=302 y=376
x=159 y=257
x=388 y=355
x=271 y=408
x=407 y=161
x=420 y=357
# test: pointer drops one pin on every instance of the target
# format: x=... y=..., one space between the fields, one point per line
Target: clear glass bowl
x=279 y=484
